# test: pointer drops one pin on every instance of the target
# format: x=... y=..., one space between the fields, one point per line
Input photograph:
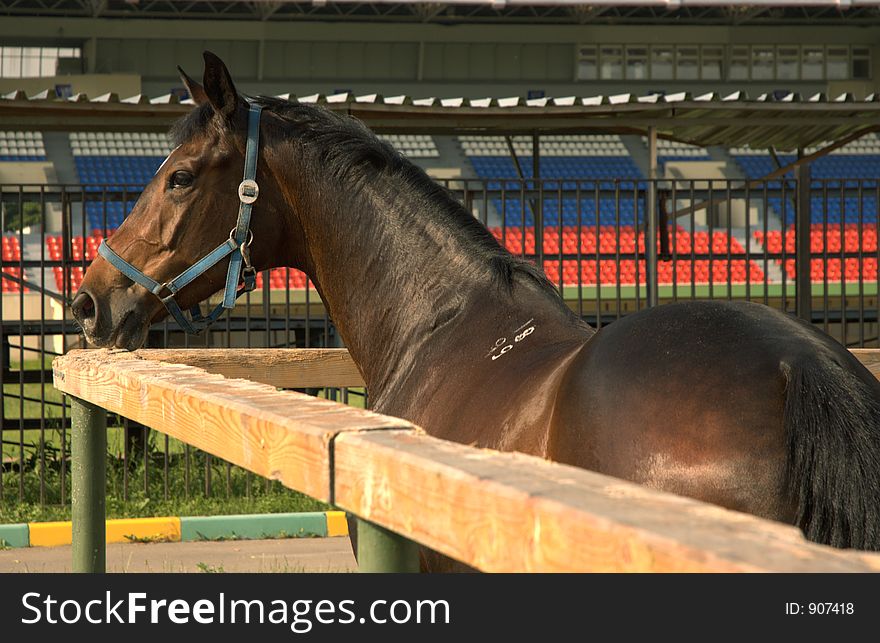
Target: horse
x=731 y=403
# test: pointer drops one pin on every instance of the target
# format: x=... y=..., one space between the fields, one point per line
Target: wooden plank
x=506 y=512
x=316 y=367
x=313 y=367
x=281 y=367
x=870 y=358
x=282 y=435
x=494 y=511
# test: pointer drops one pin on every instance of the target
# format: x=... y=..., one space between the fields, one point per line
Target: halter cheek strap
x=237 y=247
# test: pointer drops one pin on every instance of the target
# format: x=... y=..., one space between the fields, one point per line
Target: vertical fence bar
x=88 y=450
x=825 y=307
x=651 y=264
x=711 y=213
x=21 y=345
x=381 y=550
x=538 y=212
x=4 y=354
x=42 y=343
x=844 y=333
x=597 y=206
x=803 y=285
x=860 y=264
x=748 y=238
x=672 y=196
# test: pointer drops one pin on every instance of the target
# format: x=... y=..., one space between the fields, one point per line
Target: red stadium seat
x=11 y=254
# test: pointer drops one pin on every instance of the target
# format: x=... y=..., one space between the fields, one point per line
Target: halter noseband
x=237 y=245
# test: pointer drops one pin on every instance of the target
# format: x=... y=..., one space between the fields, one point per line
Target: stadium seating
x=630 y=272
x=858 y=161
x=865 y=166
x=603 y=145
x=675 y=151
x=22 y=146
x=686 y=248
x=599 y=161
x=116 y=162
x=610 y=211
x=415 y=146
x=278 y=279
x=129 y=160
x=126 y=161
x=835 y=240
x=88 y=249
x=11 y=254
x=831 y=240
x=838 y=269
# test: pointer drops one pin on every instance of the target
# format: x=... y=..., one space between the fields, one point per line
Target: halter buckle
x=246 y=255
x=248 y=191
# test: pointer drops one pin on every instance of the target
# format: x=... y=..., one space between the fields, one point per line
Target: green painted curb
x=703 y=291
x=254 y=526
x=15 y=535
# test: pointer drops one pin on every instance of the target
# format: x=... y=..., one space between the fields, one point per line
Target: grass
x=356 y=396
x=31 y=455
x=147 y=540
x=281 y=535
x=234 y=490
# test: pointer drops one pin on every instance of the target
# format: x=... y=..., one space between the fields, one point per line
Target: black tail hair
x=832 y=427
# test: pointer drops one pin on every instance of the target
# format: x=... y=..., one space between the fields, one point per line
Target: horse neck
x=396 y=273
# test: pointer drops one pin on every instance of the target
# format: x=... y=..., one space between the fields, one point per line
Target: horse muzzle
x=85 y=312
x=127 y=328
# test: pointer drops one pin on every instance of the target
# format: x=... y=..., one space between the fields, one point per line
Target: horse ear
x=196 y=91
x=218 y=87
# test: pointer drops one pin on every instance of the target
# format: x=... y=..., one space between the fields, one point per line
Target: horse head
x=185 y=213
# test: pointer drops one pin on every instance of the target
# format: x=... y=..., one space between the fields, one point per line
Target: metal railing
x=740 y=243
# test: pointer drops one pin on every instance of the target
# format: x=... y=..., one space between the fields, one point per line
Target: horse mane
x=342 y=147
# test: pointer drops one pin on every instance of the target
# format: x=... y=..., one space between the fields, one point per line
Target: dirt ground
x=279 y=556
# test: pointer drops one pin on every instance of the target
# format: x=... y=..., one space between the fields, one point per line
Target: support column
x=651 y=227
x=803 y=283
x=88 y=453
x=90 y=53
x=381 y=550
x=261 y=58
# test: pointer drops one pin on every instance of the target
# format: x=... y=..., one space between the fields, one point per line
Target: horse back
x=689 y=398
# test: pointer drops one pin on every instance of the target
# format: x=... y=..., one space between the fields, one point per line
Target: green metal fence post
x=381 y=550
x=88 y=452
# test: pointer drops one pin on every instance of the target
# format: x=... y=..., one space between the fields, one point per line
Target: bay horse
x=731 y=403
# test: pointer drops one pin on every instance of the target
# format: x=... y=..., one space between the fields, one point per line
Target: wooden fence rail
x=494 y=511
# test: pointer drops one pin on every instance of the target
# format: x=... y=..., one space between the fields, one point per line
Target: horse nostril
x=83 y=308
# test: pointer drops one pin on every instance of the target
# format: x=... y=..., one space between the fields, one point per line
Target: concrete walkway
x=278 y=556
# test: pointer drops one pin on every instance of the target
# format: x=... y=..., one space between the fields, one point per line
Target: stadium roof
x=704 y=12
x=785 y=122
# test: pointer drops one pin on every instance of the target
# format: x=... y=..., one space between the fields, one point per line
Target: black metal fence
x=718 y=240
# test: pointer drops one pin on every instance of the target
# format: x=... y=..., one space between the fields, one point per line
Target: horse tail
x=832 y=428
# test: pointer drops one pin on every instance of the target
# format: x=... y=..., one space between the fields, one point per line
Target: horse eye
x=181 y=179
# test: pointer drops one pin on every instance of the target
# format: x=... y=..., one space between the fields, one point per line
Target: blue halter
x=237 y=245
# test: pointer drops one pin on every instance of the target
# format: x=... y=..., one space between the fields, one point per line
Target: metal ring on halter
x=247 y=242
x=248 y=191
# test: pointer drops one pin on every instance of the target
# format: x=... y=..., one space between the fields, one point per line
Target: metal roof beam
x=780 y=171
x=96 y=7
x=427 y=11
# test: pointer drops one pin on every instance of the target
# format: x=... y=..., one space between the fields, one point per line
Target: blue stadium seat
x=590 y=169
x=21 y=158
x=114 y=174
x=838 y=166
